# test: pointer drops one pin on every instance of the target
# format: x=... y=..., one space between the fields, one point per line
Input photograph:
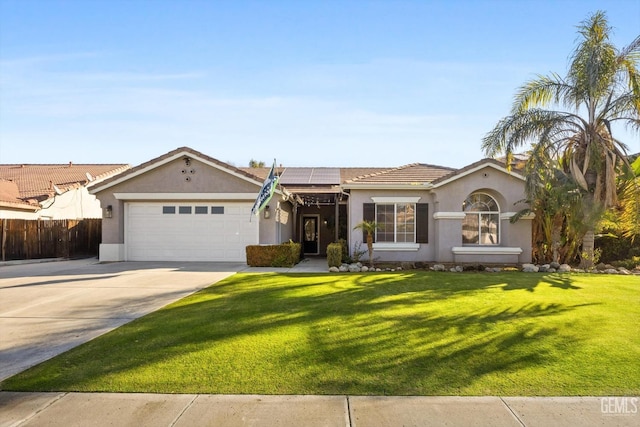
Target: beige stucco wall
x=278 y=227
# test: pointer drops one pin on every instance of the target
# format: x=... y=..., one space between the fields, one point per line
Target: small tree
x=256 y=164
x=368 y=228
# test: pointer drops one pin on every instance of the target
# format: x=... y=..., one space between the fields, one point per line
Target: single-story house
x=31 y=191
x=185 y=205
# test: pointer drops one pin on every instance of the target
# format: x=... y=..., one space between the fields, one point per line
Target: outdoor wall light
x=267 y=212
x=108 y=212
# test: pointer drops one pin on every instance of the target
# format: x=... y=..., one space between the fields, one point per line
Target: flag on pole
x=266 y=192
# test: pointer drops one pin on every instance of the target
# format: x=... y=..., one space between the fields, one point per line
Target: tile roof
x=35 y=182
x=10 y=197
x=407 y=174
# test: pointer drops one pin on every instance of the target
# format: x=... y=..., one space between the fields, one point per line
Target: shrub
x=613 y=248
x=346 y=259
x=334 y=254
x=629 y=264
x=284 y=255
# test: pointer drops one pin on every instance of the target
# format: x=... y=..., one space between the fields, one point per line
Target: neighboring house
x=52 y=191
x=188 y=206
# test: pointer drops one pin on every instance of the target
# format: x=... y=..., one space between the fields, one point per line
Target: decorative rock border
x=553 y=267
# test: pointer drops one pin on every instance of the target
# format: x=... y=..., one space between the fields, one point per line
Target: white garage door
x=189 y=231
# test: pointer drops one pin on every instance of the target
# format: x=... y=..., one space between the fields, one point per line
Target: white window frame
x=479 y=214
x=397 y=246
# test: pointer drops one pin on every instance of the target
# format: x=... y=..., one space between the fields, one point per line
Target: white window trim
x=389 y=246
x=388 y=200
x=395 y=203
x=449 y=215
x=185 y=196
x=486 y=250
x=480 y=213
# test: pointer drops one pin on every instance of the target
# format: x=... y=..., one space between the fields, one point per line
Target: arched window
x=481 y=224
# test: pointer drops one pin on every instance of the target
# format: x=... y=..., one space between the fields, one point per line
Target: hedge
x=334 y=254
x=283 y=255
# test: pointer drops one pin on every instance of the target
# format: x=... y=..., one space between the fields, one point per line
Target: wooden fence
x=65 y=238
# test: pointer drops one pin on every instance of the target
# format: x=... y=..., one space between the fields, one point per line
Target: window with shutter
x=398 y=222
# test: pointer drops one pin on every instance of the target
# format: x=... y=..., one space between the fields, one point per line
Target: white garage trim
x=186 y=196
x=188 y=231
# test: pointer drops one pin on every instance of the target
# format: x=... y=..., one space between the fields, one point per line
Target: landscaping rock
x=334 y=270
x=355 y=268
x=364 y=269
x=438 y=267
x=343 y=268
x=530 y=268
x=624 y=271
x=378 y=269
x=555 y=265
x=551 y=270
x=459 y=269
x=544 y=268
x=610 y=271
x=564 y=268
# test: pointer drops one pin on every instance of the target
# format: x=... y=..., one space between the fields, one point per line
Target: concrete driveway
x=48 y=308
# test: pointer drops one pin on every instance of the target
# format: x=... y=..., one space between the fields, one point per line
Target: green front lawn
x=403 y=333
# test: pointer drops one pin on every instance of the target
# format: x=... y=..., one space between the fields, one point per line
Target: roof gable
x=474 y=167
x=183 y=152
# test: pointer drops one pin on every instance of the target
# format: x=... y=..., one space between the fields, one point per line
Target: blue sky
x=310 y=83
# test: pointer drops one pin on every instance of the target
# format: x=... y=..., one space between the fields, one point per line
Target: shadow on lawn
x=368 y=334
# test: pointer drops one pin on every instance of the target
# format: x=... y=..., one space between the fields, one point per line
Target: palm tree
x=569 y=120
x=368 y=228
x=625 y=220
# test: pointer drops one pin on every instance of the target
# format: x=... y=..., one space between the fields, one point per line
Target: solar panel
x=318 y=176
x=325 y=176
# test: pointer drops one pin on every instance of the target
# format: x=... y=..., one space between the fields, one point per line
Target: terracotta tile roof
x=407 y=174
x=10 y=197
x=349 y=174
x=36 y=183
x=261 y=173
x=186 y=150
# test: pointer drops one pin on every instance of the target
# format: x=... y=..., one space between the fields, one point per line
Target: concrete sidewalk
x=115 y=409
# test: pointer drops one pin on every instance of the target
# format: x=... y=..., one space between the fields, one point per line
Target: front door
x=310 y=236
